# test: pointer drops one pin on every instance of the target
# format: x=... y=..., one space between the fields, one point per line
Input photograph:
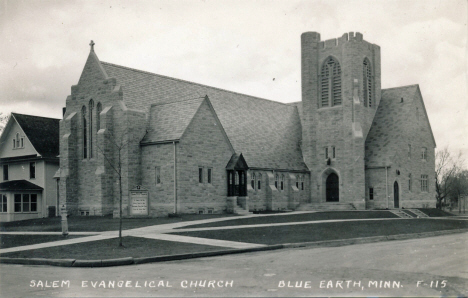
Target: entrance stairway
x=241 y=211
x=419 y=213
x=400 y=213
x=326 y=207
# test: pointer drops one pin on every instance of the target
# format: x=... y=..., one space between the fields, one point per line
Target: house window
x=333 y=152
x=209 y=174
x=330 y=83
x=91 y=107
x=276 y=181
x=252 y=181
x=14 y=143
x=424 y=153
x=158 y=175
x=200 y=175
x=32 y=170
x=5 y=172
x=22 y=142
x=259 y=182
x=326 y=153
x=424 y=186
x=85 y=137
x=201 y=211
x=409 y=151
x=3 y=203
x=17 y=140
x=409 y=182
x=282 y=182
x=367 y=83
x=25 y=203
x=371 y=193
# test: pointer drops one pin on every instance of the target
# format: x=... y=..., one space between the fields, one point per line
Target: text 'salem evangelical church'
x=198 y=149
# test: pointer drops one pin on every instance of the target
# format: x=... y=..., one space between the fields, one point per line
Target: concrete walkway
x=161 y=232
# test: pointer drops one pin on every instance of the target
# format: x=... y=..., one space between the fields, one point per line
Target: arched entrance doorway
x=333 y=188
x=396 y=194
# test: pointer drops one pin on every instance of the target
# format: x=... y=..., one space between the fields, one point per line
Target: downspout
x=386 y=183
x=175 y=179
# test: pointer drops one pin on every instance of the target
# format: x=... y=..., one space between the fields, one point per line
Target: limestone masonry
x=182 y=147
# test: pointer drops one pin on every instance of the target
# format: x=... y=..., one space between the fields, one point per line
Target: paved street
x=422 y=267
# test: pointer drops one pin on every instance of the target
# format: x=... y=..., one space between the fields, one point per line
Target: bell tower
x=341 y=91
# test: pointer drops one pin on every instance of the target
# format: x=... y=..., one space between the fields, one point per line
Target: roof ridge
x=176 y=102
x=13 y=113
x=193 y=83
x=407 y=86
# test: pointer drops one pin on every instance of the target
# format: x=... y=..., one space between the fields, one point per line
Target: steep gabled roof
x=268 y=133
x=42 y=132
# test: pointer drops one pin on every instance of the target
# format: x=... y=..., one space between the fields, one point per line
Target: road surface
x=436 y=266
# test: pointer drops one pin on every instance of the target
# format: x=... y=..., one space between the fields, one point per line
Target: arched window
x=85 y=129
x=259 y=181
x=367 y=83
x=330 y=83
x=282 y=182
x=302 y=182
x=91 y=107
x=276 y=181
x=252 y=181
x=297 y=181
x=98 y=116
x=17 y=140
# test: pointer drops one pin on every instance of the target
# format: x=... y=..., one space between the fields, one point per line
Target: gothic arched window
x=85 y=129
x=252 y=181
x=259 y=181
x=91 y=107
x=276 y=181
x=282 y=182
x=330 y=83
x=98 y=116
x=367 y=83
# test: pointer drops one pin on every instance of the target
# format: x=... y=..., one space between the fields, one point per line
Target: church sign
x=139 y=201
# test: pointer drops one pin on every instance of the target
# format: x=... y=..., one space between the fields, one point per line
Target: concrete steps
x=330 y=206
x=241 y=211
x=419 y=213
x=400 y=213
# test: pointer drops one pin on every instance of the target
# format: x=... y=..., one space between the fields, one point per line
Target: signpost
x=139 y=203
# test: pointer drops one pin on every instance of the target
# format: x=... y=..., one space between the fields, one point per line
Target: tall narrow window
x=409 y=182
x=17 y=140
x=330 y=83
x=17 y=202
x=33 y=202
x=85 y=136
x=91 y=108
x=200 y=175
x=424 y=153
x=333 y=152
x=367 y=83
x=5 y=172
x=371 y=193
x=259 y=181
x=158 y=175
x=297 y=181
x=276 y=181
x=282 y=182
x=98 y=116
x=22 y=142
x=302 y=182
x=3 y=203
x=26 y=202
x=424 y=186
x=326 y=152
x=32 y=170
x=252 y=180
x=209 y=175
x=14 y=144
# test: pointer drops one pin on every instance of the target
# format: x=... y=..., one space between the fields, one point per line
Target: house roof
x=19 y=185
x=42 y=132
x=268 y=133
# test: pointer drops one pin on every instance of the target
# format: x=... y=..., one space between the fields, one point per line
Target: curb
x=144 y=260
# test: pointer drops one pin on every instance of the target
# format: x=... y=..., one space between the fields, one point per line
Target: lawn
x=7 y=241
x=290 y=217
x=96 y=223
x=109 y=249
x=329 y=231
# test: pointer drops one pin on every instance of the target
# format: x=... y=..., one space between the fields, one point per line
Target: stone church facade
x=182 y=147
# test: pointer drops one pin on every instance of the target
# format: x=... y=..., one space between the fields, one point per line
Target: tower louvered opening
x=367 y=83
x=331 y=83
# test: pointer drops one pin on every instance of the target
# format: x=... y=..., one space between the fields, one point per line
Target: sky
x=251 y=47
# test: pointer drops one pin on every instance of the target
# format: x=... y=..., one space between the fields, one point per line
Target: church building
x=182 y=147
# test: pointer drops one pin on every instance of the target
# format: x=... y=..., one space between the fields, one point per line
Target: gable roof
x=268 y=133
x=389 y=123
x=42 y=132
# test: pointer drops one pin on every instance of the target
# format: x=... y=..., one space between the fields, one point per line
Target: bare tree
x=119 y=145
x=446 y=169
x=3 y=121
x=459 y=188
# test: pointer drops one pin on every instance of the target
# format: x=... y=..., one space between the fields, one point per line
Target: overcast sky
x=252 y=47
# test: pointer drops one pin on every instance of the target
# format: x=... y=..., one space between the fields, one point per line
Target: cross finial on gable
x=92 y=45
